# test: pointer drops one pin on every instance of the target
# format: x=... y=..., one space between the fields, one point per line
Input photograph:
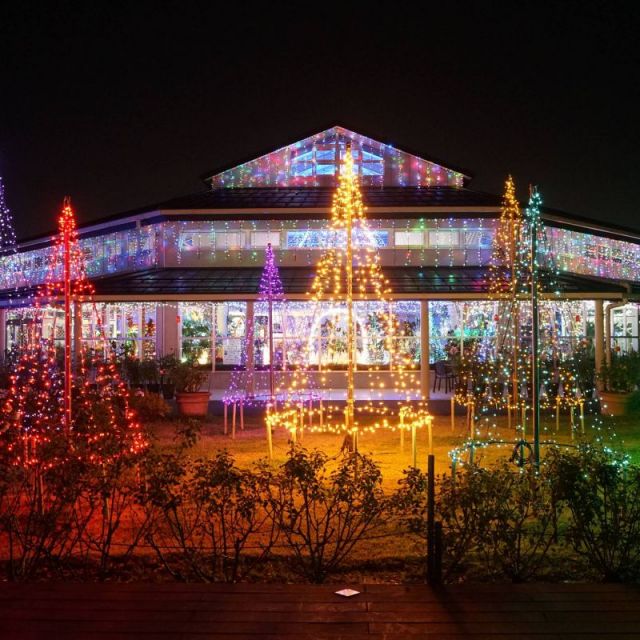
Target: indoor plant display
x=619 y=379
x=188 y=378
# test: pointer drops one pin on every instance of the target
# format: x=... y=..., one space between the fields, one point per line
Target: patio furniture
x=444 y=371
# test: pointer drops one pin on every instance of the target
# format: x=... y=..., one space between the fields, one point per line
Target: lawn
x=385 y=445
x=389 y=556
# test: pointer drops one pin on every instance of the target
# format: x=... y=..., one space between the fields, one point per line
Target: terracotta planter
x=193 y=404
x=613 y=404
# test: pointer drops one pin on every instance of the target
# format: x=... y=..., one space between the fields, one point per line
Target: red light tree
x=59 y=403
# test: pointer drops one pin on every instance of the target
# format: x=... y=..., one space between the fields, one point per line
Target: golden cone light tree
x=349 y=275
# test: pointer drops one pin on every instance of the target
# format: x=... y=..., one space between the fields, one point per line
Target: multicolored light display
x=247 y=383
x=317 y=161
x=428 y=242
x=521 y=369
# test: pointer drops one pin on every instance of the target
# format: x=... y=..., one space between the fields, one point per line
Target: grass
x=388 y=556
x=384 y=445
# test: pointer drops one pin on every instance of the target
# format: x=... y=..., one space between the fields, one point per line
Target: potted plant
x=165 y=366
x=150 y=375
x=619 y=379
x=188 y=378
x=132 y=372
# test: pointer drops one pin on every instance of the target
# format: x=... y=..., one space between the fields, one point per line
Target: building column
x=425 y=381
x=3 y=333
x=167 y=330
x=250 y=344
x=599 y=339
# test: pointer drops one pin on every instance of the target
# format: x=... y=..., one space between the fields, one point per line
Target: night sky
x=121 y=107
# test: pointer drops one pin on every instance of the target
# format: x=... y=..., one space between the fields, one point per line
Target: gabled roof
x=315 y=160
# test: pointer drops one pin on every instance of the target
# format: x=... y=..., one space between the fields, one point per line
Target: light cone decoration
x=248 y=383
x=58 y=389
x=8 y=243
x=497 y=375
x=349 y=287
x=7 y=230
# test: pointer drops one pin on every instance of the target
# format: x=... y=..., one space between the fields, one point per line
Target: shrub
x=503 y=516
x=38 y=529
x=211 y=512
x=321 y=515
x=623 y=374
x=187 y=377
x=602 y=494
x=149 y=406
x=517 y=519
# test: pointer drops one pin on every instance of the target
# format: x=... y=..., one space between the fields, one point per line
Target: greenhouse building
x=182 y=277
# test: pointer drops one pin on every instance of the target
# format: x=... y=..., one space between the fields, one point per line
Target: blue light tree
x=7 y=230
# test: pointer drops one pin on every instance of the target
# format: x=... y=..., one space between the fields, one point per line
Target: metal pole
x=535 y=364
x=431 y=518
x=272 y=389
x=67 y=320
x=350 y=409
x=414 y=444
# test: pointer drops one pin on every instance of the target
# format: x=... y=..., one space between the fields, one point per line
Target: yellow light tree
x=349 y=271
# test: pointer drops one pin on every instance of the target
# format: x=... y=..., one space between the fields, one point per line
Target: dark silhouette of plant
x=323 y=515
x=502 y=515
x=38 y=529
x=602 y=493
x=519 y=516
x=463 y=517
x=209 y=511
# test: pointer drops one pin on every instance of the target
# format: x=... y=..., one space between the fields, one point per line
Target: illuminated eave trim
x=200 y=297
x=17 y=303
x=325 y=210
x=591 y=227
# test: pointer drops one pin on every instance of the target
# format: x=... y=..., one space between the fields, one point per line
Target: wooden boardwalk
x=383 y=612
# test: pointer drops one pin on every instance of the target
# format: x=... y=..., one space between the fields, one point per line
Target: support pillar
x=167 y=330
x=425 y=382
x=3 y=333
x=250 y=343
x=599 y=339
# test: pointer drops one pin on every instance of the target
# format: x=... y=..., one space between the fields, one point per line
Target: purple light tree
x=242 y=387
x=271 y=291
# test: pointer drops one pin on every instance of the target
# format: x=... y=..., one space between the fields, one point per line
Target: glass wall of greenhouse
x=215 y=334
